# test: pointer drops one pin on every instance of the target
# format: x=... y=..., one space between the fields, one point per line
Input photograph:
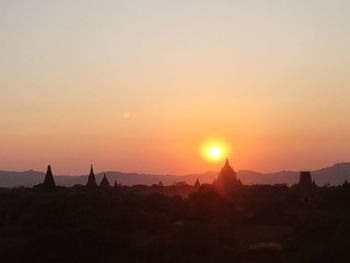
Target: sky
x=139 y=85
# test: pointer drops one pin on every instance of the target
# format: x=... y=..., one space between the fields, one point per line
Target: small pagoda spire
x=49 y=181
x=227 y=169
x=104 y=183
x=91 y=179
x=227 y=166
x=197 y=184
x=115 y=184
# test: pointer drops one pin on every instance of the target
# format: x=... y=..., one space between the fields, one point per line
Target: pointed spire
x=227 y=165
x=49 y=181
x=104 y=183
x=92 y=170
x=91 y=179
x=197 y=184
x=115 y=184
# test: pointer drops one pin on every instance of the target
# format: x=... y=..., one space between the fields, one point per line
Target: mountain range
x=334 y=175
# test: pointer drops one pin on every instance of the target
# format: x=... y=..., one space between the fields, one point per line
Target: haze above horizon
x=139 y=85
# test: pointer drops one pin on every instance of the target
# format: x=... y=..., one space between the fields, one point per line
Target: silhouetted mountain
x=14 y=179
x=282 y=177
x=333 y=175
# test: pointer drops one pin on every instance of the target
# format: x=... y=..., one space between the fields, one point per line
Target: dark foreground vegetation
x=124 y=224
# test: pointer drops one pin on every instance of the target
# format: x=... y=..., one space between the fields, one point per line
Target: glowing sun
x=214 y=149
x=214 y=152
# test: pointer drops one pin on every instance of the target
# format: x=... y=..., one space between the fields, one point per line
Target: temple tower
x=49 y=182
x=305 y=180
x=227 y=179
x=91 y=179
x=104 y=183
x=197 y=184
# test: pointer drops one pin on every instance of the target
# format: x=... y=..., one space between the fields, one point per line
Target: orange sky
x=138 y=86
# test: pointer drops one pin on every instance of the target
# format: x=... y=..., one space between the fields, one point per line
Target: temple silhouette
x=49 y=181
x=227 y=179
x=197 y=184
x=305 y=180
x=104 y=183
x=91 y=179
x=225 y=183
x=50 y=185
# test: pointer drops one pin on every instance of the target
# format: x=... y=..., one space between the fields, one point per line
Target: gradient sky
x=138 y=85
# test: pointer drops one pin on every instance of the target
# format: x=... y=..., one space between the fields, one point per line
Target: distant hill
x=27 y=178
x=333 y=175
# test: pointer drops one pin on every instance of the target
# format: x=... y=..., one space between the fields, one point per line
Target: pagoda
x=91 y=179
x=305 y=181
x=197 y=184
x=104 y=183
x=49 y=182
x=227 y=179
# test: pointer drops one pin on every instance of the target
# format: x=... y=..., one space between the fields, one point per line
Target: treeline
x=250 y=224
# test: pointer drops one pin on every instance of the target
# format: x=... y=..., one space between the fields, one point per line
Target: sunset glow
x=175 y=131
x=136 y=85
x=214 y=150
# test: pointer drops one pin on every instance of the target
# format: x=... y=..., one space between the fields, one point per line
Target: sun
x=215 y=152
x=214 y=149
